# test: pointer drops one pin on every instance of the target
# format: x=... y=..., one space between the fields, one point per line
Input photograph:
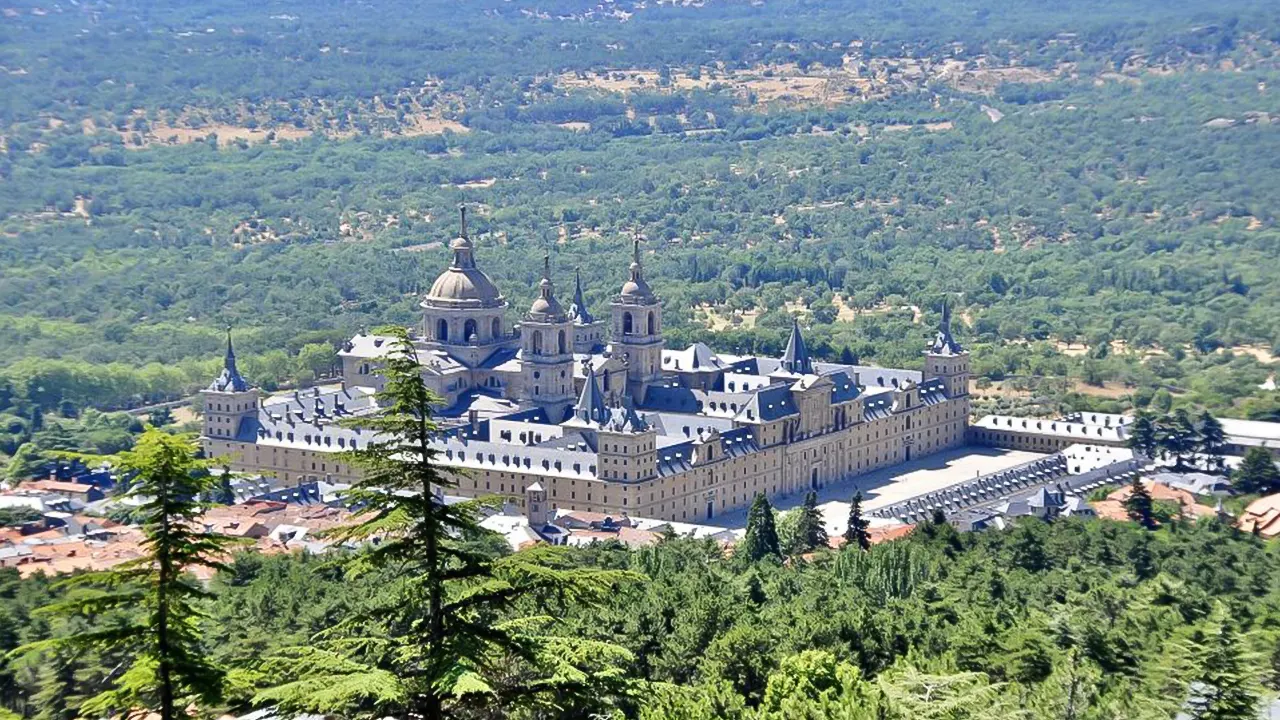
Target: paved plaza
x=898 y=483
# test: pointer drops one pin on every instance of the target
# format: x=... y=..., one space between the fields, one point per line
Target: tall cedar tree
x=857 y=532
x=810 y=532
x=1212 y=439
x=443 y=638
x=1142 y=435
x=1178 y=437
x=1257 y=473
x=761 y=537
x=1223 y=678
x=169 y=667
x=1139 y=504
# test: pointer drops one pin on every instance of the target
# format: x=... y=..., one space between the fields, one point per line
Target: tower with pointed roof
x=947 y=360
x=795 y=359
x=546 y=347
x=588 y=332
x=228 y=401
x=637 y=328
x=464 y=309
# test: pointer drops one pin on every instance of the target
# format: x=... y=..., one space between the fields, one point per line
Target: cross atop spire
x=463 y=258
x=636 y=290
x=796 y=357
x=230 y=379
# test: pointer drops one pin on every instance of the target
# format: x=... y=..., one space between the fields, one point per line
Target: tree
x=1212 y=440
x=1257 y=473
x=1139 y=505
x=1177 y=437
x=168 y=667
x=809 y=531
x=856 y=533
x=1223 y=678
x=25 y=463
x=1142 y=435
x=440 y=635
x=761 y=537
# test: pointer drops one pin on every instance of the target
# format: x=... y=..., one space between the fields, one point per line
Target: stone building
x=546 y=412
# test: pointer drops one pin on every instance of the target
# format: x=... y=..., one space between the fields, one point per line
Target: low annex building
x=603 y=421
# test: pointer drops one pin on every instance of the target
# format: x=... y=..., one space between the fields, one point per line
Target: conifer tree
x=1257 y=473
x=1223 y=678
x=1139 y=504
x=761 y=538
x=1212 y=439
x=1142 y=435
x=857 y=532
x=168 y=667
x=810 y=531
x=1177 y=437
x=441 y=636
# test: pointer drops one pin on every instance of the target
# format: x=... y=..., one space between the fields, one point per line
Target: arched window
x=561 y=343
x=537 y=342
x=652 y=325
x=496 y=329
x=626 y=323
x=469 y=331
x=442 y=330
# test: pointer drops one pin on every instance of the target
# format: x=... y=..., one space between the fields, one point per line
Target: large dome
x=463 y=285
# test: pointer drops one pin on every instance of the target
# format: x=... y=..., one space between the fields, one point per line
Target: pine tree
x=1142 y=435
x=1212 y=440
x=810 y=531
x=169 y=667
x=1139 y=504
x=1223 y=679
x=1257 y=473
x=857 y=532
x=761 y=538
x=1177 y=437
x=433 y=642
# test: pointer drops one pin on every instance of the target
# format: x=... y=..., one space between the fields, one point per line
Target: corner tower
x=228 y=401
x=947 y=360
x=546 y=338
x=637 y=329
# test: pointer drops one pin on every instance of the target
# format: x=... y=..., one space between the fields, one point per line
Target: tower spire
x=461 y=246
x=579 y=307
x=230 y=379
x=944 y=343
x=462 y=217
x=796 y=357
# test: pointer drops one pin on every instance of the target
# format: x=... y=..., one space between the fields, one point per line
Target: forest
x=1048 y=620
x=1089 y=182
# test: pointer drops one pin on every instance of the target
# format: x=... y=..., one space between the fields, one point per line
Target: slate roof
x=578 y=309
x=229 y=380
x=944 y=343
x=796 y=357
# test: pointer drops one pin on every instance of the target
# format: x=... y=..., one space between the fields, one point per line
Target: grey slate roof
x=578 y=310
x=591 y=407
x=944 y=343
x=229 y=380
x=796 y=357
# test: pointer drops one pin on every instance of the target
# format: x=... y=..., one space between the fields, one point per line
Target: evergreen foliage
x=1257 y=473
x=856 y=533
x=431 y=643
x=1139 y=505
x=167 y=668
x=761 y=536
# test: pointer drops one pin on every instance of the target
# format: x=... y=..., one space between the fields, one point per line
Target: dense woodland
x=1120 y=201
x=1068 y=619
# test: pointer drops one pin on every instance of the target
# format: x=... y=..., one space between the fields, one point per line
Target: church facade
x=567 y=411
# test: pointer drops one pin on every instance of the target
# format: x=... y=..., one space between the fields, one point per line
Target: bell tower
x=637 y=328
x=546 y=342
x=227 y=402
x=947 y=360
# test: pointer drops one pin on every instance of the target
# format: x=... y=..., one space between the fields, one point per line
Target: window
x=442 y=330
x=469 y=333
x=652 y=325
x=626 y=324
x=496 y=329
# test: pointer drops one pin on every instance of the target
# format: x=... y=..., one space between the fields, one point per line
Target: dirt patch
x=1261 y=353
x=421 y=124
x=1108 y=389
x=720 y=319
x=166 y=135
x=575 y=126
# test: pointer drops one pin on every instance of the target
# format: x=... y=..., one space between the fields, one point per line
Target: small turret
x=796 y=357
